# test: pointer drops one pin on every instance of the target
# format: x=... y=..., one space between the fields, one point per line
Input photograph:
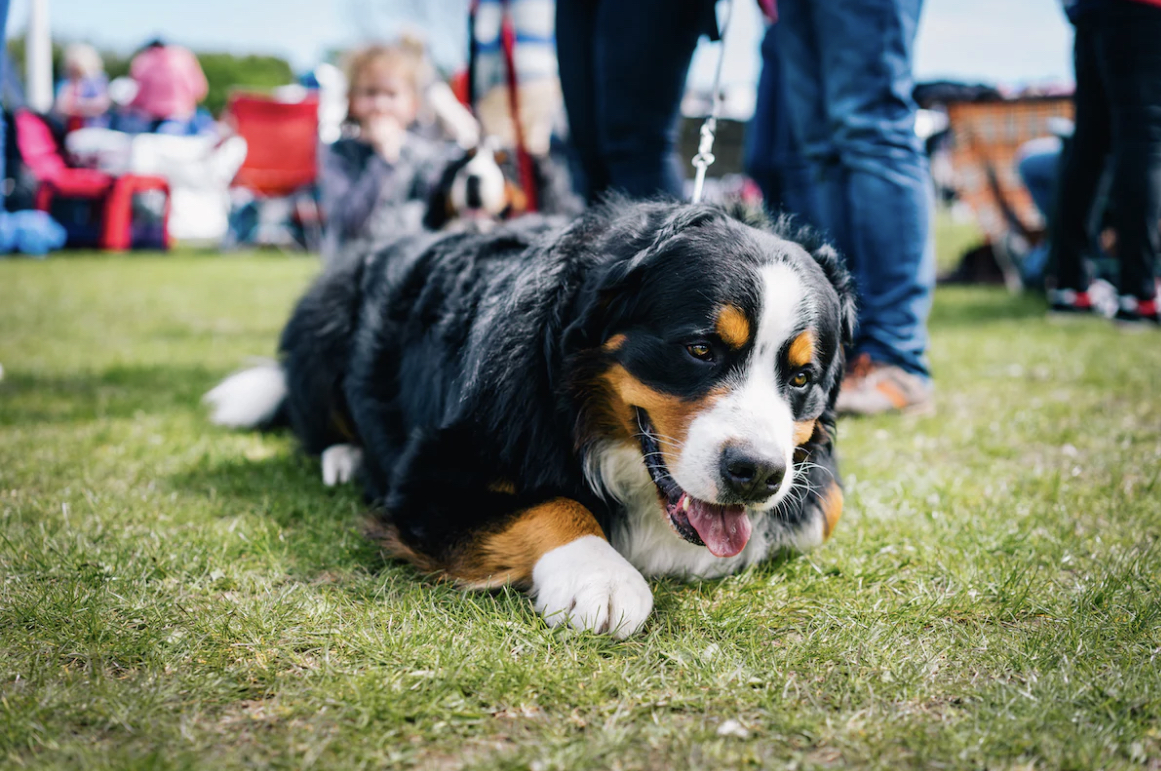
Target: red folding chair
x=282 y=141
x=111 y=195
x=282 y=155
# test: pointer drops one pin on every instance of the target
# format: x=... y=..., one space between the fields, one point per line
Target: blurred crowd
x=161 y=93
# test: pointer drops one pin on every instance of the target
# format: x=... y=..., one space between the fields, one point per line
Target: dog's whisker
x=659 y=438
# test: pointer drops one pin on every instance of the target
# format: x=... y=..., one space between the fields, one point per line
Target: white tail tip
x=249 y=398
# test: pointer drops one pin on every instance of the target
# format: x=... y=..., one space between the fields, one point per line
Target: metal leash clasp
x=705 y=144
x=705 y=156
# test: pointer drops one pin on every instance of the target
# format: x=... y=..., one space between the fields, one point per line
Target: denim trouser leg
x=802 y=79
x=773 y=156
x=849 y=63
x=623 y=67
x=1039 y=171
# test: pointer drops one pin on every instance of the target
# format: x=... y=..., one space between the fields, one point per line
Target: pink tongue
x=724 y=529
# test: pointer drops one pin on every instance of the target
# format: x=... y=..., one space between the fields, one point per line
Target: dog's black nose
x=472 y=193
x=750 y=477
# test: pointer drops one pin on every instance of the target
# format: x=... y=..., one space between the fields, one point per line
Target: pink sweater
x=170 y=82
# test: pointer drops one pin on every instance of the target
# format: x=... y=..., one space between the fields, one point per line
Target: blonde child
x=82 y=98
x=376 y=179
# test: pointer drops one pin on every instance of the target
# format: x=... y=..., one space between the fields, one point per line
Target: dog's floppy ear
x=605 y=301
x=835 y=268
x=627 y=248
x=618 y=283
x=439 y=206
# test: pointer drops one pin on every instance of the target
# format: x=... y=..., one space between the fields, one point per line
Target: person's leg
x=1039 y=167
x=1128 y=53
x=821 y=192
x=575 y=22
x=1071 y=225
x=758 y=158
x=643 y=50
x=866 y=51
x=773 y=156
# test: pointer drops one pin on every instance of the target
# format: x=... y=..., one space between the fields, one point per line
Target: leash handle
x=705 y=145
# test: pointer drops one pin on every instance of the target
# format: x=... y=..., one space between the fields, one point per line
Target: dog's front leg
x=589 y=585
x=558 y=552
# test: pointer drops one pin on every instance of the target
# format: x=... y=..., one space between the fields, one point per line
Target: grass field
x=173 y=595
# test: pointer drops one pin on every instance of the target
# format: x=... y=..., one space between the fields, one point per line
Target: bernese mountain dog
x=478 y=190
x=569 y=407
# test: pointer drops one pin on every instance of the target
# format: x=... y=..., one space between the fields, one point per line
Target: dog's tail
x=251 y=398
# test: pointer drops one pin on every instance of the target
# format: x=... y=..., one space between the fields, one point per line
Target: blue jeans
x=773 y=156
x=623 y=65
x=848 y=86
x=1039 y=170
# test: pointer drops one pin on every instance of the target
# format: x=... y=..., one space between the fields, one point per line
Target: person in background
x=82 y=98
x=773 y=157
x=1117 y=56
x=170 y=84
x=848 y=91
x=377 y=178
x=30 y=232
x=536 y=71
x=4 y=128
x=623 y=67
x=1038 y=164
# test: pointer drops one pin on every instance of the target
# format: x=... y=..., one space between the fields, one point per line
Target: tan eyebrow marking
x=733 y=326
x=801 y=350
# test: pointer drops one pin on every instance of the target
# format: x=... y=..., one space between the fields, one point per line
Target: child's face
x=381 y=91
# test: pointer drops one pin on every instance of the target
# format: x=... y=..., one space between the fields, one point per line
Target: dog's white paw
x=588 y=585
x=340 y=463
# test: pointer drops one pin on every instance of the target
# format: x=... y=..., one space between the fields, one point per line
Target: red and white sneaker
x=1070 y=302
x=1137 y=313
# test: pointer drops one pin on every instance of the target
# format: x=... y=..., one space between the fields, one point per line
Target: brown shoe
x=873 y=387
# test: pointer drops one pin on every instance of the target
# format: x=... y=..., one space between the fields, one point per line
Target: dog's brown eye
x=700 y=351
x=801 y=379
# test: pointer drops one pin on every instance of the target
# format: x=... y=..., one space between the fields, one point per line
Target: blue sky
x=1008 y=41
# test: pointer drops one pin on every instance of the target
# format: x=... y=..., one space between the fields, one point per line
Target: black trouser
x=1118 y=122
x=623 y=65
